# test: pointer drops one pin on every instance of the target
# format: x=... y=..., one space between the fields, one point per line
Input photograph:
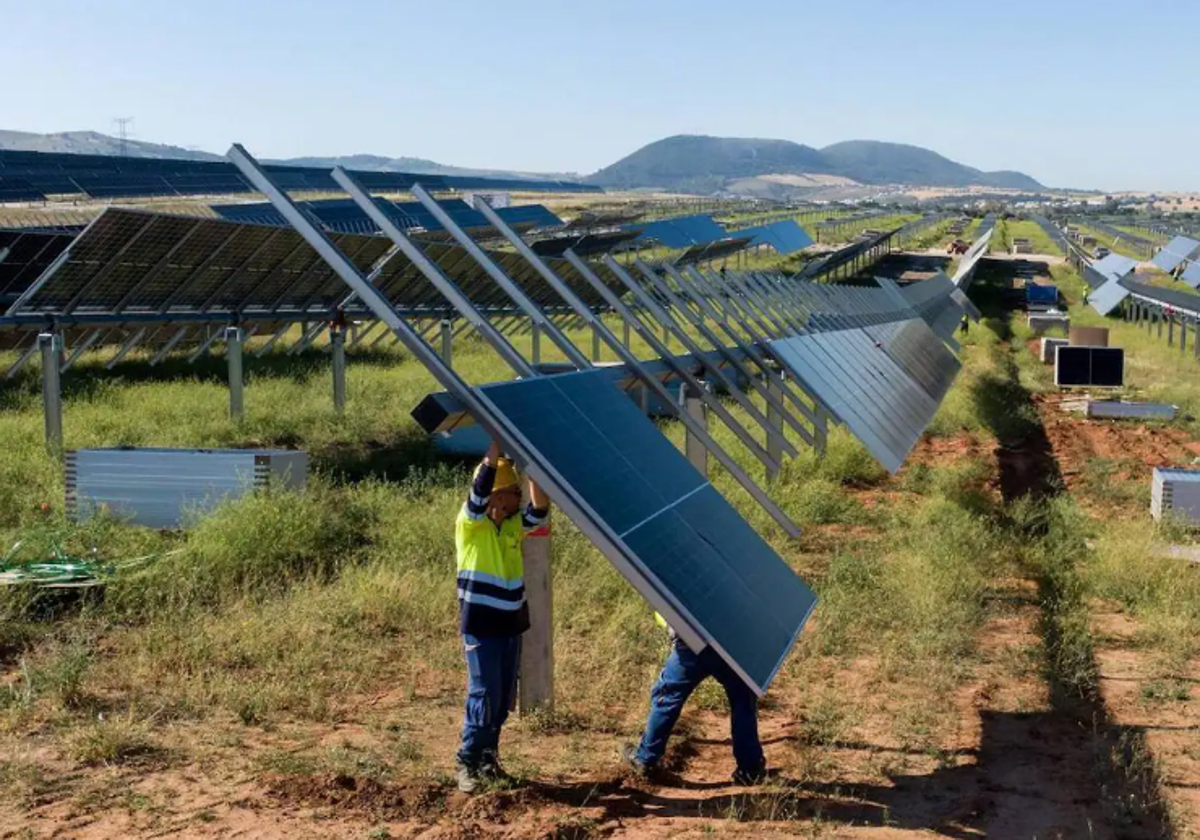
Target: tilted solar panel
x=884 y=382
x=1175 y=253
x=1114 y=266
x=1191 y=275
x=1107 y=297
x=686 y=542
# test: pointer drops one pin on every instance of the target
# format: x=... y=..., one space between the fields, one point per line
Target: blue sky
x=1074 y=93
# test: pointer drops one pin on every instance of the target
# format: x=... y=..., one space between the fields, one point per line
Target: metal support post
x=697 y=454
x=627 y=335
x=337 y=343
x=775 y=421
x=51 y=345
x=595 y=345
x=237 y=383
x=447 y=341
x=535 y=338
x=536 y=686
x=1159 y=317
x=1182 y=335
x=1171 y=331
x=821 y=429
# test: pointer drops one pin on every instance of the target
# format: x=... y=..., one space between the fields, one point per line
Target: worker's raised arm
x=481 y=486
x=538 y=510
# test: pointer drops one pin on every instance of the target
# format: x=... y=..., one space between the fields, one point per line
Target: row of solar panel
x=344 y=216
x=31 y=176
x=134 y=264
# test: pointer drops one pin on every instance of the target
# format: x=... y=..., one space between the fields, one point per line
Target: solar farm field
x=1000 y=644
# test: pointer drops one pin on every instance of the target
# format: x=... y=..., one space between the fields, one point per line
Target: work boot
x=468 y=777
x=639 y=768
x=491 y=770
x=750 y=778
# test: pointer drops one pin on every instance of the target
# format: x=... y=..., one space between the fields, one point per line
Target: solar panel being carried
x=689 y=546
x=1175 y=253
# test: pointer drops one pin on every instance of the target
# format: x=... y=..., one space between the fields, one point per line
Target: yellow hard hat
x=506 y=475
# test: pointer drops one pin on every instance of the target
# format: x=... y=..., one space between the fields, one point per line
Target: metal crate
x=166 y=488
x=1175 y=493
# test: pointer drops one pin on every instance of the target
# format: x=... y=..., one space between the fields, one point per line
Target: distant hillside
x=95 y=143
x=709 y=164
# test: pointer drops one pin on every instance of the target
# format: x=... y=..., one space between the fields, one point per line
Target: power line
x=123 y=124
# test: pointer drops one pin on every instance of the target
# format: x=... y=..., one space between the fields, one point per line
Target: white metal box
x=165 y=488
x=1175 y=493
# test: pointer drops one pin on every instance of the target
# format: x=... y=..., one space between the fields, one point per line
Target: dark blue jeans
x=681 y=674
x=491 y=687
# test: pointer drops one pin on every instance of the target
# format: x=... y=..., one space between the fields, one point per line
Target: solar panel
x=1175 y=253
x=19 y=189
x=682 y=231
x=114 y=176
x=686 y=542
x=23 y=256
x=867 y=378
x=134 y=262
x=1191 y=275
x=344 y=216
x=1099 y=367
x=1107 y=297
x=785 y=237
x=1114 y=266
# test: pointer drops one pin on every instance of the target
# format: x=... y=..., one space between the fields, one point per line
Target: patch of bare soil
x=1161 y=709
x=1137 y=448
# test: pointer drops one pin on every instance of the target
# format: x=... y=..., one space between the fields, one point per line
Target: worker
x=965 y=324
x=683 y=672
x=492 y=609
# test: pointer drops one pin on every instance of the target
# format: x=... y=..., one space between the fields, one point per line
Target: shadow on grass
x=88 y=377
x=1078 y=727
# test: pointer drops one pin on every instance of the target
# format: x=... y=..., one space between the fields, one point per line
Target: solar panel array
x=1054 y=232
x=24 y=255
x=344 y=216
x=135 y=265
x=877 y=359
x=32 y=176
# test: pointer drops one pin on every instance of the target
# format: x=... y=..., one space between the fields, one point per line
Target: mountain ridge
x=702 y=163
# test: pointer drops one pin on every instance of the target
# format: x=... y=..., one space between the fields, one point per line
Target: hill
x=95 y=143
x=708 y=164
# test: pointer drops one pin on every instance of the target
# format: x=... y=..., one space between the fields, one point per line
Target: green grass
x=1041 y=243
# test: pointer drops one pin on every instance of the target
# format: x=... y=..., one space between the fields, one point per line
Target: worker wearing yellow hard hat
x=492 y=609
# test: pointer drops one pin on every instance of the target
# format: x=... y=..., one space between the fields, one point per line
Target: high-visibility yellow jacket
x=491 y=571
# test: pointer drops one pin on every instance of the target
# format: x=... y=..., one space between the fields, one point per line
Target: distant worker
x=492 y=609
x=683 y=672
x=965 y=324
